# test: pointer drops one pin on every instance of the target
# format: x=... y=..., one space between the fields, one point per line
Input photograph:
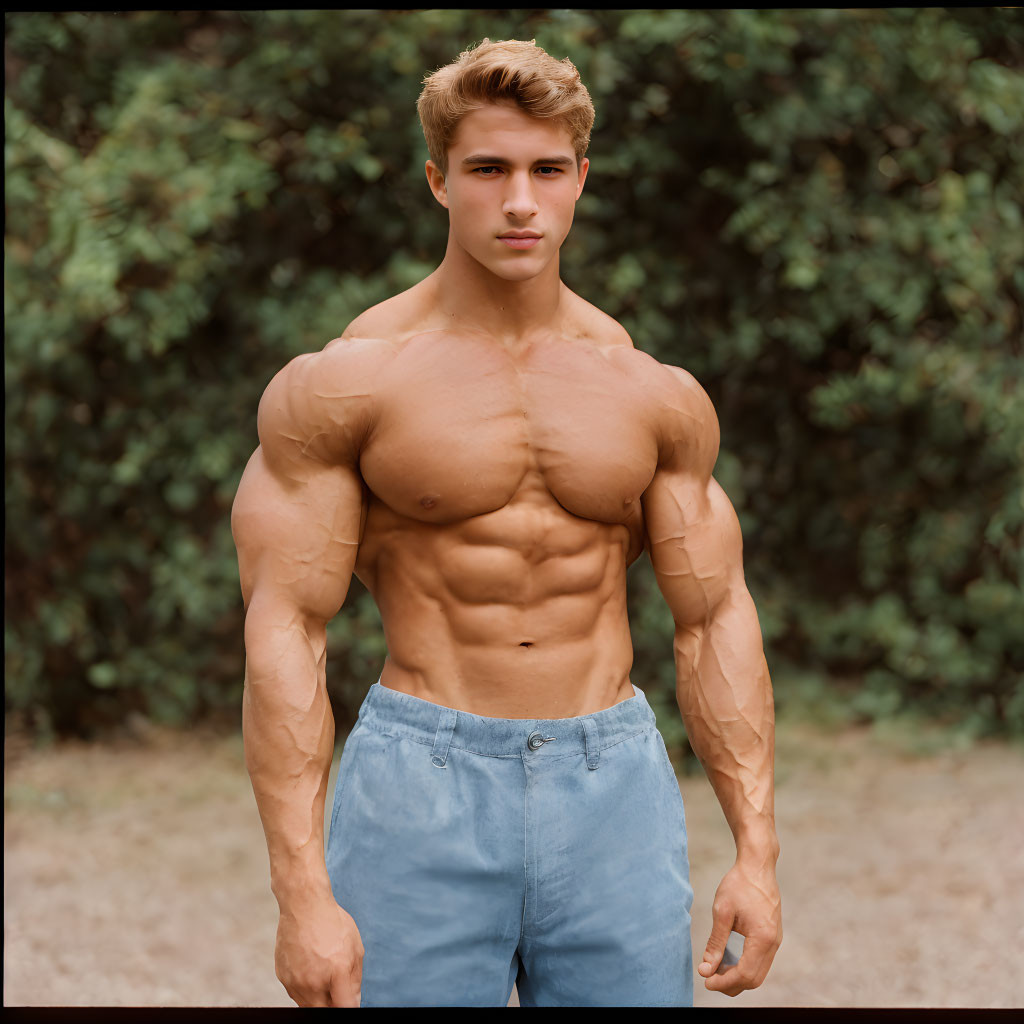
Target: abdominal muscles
x=516 y=613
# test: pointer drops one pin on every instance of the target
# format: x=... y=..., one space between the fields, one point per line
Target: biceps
x=297 y=540
x=695 y=545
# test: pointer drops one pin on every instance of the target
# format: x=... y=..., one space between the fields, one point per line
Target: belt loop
x=443 y=737
x=590 y=738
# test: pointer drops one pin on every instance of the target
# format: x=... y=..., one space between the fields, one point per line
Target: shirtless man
x=488 y=453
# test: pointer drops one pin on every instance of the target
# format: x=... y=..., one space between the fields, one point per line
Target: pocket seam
x=671 y=771
x=339 y=796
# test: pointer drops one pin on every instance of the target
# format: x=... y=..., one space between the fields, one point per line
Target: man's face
x=511 y=189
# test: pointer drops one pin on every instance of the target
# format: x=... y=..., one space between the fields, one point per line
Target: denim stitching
x=446 y=723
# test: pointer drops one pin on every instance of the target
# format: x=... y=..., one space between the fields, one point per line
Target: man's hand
x=748 y=902
x=319 y=955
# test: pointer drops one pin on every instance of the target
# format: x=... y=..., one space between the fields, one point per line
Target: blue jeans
x=476 y=853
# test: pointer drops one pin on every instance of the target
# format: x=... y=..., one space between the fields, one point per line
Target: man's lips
x=519 y=241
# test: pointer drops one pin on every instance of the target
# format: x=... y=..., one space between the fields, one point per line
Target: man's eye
x=481 y=170
x=554 y=170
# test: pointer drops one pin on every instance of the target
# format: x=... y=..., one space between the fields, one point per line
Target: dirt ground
x=136 y=874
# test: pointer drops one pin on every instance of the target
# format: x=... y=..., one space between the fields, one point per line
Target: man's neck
x=472 y=297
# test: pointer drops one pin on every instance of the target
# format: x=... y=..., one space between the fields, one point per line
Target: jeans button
x=535 y=741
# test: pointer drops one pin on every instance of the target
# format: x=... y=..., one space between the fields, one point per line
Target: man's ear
x=435 y=179
x=582 y=176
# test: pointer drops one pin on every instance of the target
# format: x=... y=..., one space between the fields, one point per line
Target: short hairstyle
x=509 y=70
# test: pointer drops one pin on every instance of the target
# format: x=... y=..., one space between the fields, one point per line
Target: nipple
x=429 y=500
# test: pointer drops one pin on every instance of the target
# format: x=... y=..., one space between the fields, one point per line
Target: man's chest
x=460 y=428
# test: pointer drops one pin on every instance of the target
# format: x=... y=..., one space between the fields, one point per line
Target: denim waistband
x=440 y=727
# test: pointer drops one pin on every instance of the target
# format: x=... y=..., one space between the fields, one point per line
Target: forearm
x=288 y=730
x=725 y=698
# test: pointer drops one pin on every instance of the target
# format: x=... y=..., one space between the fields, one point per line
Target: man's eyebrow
x=477 y=158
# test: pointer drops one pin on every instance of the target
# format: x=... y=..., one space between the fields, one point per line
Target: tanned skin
x=488 y=453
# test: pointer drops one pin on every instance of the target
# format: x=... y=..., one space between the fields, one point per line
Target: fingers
x=306 y=997
x=346 y=988
x=343 y=988
x=346 y=994
x=344 y=991
x=723 y=918
x=750 y=972
x=729 y=982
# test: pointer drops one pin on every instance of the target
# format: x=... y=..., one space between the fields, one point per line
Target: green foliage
x=817 y=212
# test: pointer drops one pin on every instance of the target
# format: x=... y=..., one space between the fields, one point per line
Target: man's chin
x=513 y=266
x=522 y=274
x=517 y=269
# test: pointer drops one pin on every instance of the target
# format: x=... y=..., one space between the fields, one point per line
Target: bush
x=817 y=212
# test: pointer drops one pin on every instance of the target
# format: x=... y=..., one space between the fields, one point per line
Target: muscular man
x=488 y=453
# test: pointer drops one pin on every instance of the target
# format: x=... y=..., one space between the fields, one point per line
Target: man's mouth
x=519 y=240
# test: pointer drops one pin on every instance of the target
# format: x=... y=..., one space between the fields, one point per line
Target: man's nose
x=520 y=199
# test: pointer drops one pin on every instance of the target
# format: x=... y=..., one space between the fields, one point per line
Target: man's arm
x=722 y=683
x=296 y=521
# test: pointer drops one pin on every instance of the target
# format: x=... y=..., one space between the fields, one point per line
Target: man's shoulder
x=671 y=388
x=685 y=418
x=597 y=327
x=323 y=402
x=328 y=399
x=670 y=383
x=386 y=325
x=683 y=388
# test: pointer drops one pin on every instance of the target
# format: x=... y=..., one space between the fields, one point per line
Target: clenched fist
x=319 y=954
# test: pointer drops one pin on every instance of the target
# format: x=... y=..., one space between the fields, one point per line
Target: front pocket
x=672 y=780
x=346 y=768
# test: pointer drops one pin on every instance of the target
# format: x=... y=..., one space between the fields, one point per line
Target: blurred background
x=817 y=212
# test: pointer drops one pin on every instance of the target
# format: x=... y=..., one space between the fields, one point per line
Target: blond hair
x=509 y=70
